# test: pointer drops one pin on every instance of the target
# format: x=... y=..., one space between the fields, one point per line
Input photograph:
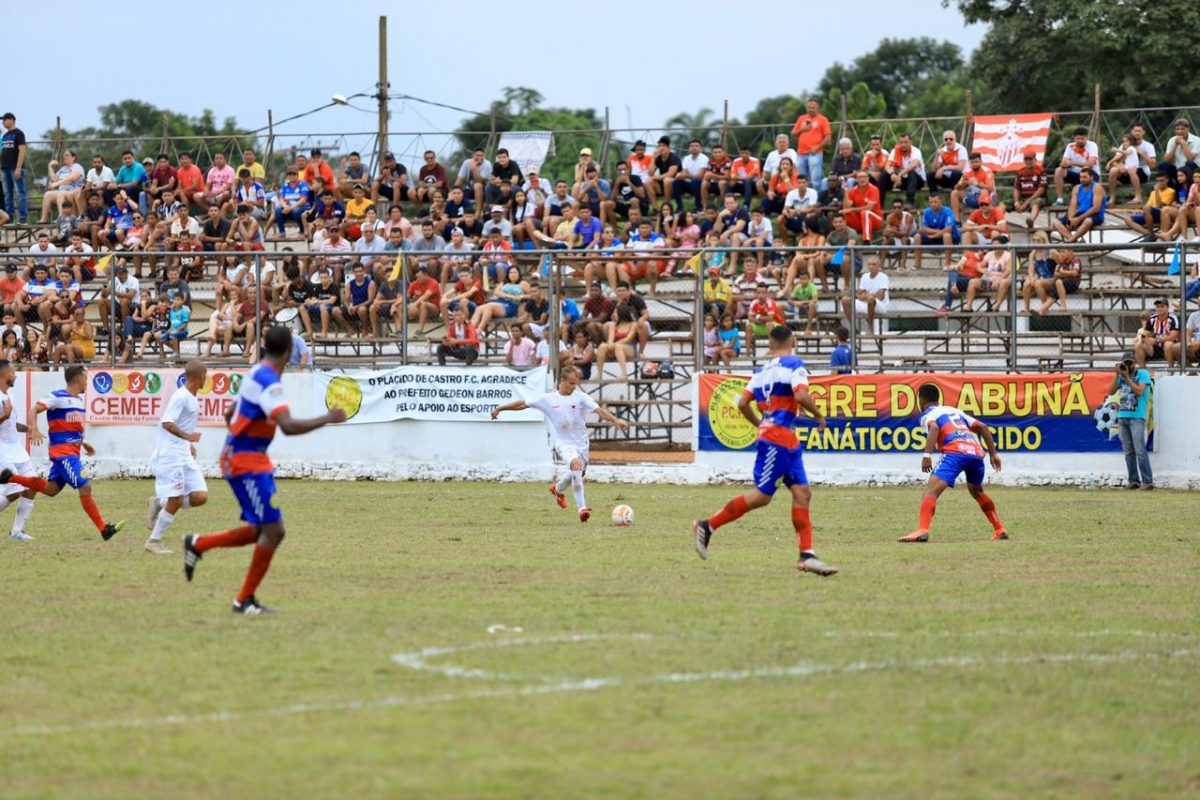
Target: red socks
x=989 y=510
x=93 y=511
x=732 y=510
x=31 y=482
x=259 y=565
x=928 y=506
x=238 y=537
x=803 y=525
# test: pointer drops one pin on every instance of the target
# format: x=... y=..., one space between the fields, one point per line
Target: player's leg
x=7 y=498
x=269 y=538
x=797 y=481
x=942 y=478
x=48 y=486
x=769 y=467
x=577 y=468
x=975 y=487
x=24 y=509
x=80 y=482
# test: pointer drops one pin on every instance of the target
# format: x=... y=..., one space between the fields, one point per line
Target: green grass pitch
x=1064 y=663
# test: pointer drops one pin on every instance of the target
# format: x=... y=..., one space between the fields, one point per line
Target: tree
x=898 y=70
x=702 y=125
x=1047 y=55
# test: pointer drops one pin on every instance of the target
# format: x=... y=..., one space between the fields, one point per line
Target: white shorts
x=178 y=480
x=23 y=467
x=567 y=454
x=881 y=307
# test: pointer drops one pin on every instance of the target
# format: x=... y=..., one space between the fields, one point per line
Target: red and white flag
x=1003 y=141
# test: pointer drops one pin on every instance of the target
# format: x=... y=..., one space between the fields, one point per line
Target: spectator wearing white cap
x=496 y=221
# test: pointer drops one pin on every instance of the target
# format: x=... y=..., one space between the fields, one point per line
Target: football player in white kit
x=178 y=481
x=13 y=454
x=566 y=412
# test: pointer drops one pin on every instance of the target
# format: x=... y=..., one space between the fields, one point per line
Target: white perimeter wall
x=519 y=451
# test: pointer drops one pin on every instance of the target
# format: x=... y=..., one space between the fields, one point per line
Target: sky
x=563 y=50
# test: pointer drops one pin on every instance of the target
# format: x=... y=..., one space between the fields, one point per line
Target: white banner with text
x=451 y=394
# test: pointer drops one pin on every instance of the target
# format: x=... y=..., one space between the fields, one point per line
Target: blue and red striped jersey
x=774 y=389
x=65 y=416
x=956 y=430
x=253 y=424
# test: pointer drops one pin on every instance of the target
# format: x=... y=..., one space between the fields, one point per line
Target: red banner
x=1003 y=140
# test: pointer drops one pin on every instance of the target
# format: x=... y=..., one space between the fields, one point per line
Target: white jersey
x=567 y=418
x=184 y=410
x=12 y=449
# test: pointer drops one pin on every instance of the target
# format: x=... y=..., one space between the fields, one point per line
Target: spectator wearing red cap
x=986 y=224
x=976 y=182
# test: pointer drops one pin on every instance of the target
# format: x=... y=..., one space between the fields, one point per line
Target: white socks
x=161 y=524
x=24 y=509
x=576 y=477
x=187 y=501
x=6 y=500
x=563 y=482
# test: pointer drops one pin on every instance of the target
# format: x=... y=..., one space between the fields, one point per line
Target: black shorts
x=1070 y=284
x=405 y=192
x=1072 y=176
x=1157 y=353
x=1143 y=173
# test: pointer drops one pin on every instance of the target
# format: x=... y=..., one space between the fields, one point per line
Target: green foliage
x=1047 y=55
x=901 y=71
x=703 y=125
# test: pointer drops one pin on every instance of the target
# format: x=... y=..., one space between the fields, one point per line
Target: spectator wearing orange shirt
x=861 y=206
x=744 y=172
x=462 y=340
x=907 y=168
x=976 y=182
x=959 y=277
x=640 y=168
x=318 y=167
x=986 y=224
x=948 y=164
x=812 y=132
x=784 y=180
x=191 y=181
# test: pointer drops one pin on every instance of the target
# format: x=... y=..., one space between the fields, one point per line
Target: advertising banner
x=454 y=394
x=1058 y=413
x=138 y=397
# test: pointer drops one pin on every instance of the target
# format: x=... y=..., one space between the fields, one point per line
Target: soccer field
x=473 y=640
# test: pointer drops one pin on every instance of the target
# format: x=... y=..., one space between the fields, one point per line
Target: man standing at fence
x=1131 y=384
x=12 y=166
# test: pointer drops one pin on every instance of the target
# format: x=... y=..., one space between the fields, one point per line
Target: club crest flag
x=1003 y=140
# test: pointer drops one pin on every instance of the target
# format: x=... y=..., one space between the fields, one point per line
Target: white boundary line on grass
x=967 y=634
x=569 y=687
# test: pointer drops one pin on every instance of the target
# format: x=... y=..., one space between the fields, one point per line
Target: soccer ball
x=622 y=515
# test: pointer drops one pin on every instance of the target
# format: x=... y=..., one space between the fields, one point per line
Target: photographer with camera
x=1132 y=384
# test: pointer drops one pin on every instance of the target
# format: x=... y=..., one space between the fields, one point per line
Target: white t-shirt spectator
x=42 y=257
x=797 y=203
x=957 y=161
x=543 y=351
x=1142 y=153
x=98 y=180
x=1193 y=325
x=484 y=169
x=771 y=163
x=130 y=284
x=1075 y=160
x=695 y=166
x=192 y=225
x=878 y=283
x=760 y=230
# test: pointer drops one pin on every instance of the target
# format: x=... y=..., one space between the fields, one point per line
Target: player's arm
x=989 y=442
x=297 y=427
x=611 y=418
x=808 y=404
x=35 y=435
x=6 y=411
x=173 y=429
x=515 y=405
x=931 y=436
x=746 y=406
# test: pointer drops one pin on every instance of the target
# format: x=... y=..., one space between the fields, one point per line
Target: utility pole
x=382 y=95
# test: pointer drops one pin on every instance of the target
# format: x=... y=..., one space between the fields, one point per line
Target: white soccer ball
x=622 y=515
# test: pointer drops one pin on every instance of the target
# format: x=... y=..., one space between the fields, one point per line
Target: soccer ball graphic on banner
x=622 y=515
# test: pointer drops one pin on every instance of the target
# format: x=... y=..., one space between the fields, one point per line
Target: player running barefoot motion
x=64 y=416
x=178 y=481
x=260 y=409
x=780 y=389
x=13 y=454
x=953 y=433
x=566 y=413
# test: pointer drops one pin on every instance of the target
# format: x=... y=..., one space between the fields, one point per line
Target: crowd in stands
x=447 y=249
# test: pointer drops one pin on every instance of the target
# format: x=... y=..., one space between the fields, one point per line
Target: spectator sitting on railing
x=352 y=172
x=802 y=301
x=1158 y=337
x=1086 y=209
x=431 y=178
x=1029 y=188
x=598 y=310
x=66 y=182
x=353 y=315
x=1192 y=342
x=534 y=312
x=220 y=182
x=189 y=181
x=938 y=227
x=986 y=224
x=504 y=171
x=996 y=278
x=80 y=340
x=845 y=162
x=948 y=164
x=1181 y=153
x=98 y=178
x=907 y=168
x=1137 y=165
x=690 y=176
x=717 y=293
x=582 y=354
x=626 y=296
x=744 y=174
x=959 y=277
x=621 y=343
x=873 y=296
x=1081 y=155
x=461 y=340
x=322 y=301
x=466 y=291
x=667 y=165
x=1162 y=196
x=976 y=183
x=518 y=350
x=505 y=302
x=474 y=174
x=390 y=303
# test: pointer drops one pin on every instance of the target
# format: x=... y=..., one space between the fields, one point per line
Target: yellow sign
x=344 y=393
x=729 y=426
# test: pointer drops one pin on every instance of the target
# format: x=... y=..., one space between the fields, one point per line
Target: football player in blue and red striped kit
x=253 y=419
x=64 y=416
x=953 y=433
x=780 y=389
